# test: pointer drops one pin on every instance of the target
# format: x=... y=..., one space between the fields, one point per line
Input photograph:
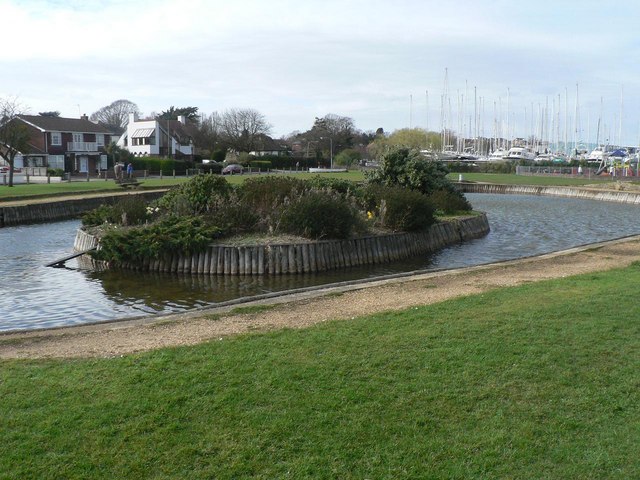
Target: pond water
x=34 y=296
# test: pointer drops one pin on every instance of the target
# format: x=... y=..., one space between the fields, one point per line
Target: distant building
x=267 y=146
x=160 y=138
x=73 y=144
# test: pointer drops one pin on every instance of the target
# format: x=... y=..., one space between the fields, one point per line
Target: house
x=72 y=144
x=154 y=137
x=267 y=146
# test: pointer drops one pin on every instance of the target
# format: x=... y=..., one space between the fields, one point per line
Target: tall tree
x=190 y=113
x=14 y=135
x=208 y=135
x=242 y=128
x=115 y=116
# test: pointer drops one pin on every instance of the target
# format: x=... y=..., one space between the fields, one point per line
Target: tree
x=208 y=136
x=190 y=113
x=408 y=168
x=53 y=113
x=348 y=157
x=115 y=116
x=14 y=135
x=242 y=128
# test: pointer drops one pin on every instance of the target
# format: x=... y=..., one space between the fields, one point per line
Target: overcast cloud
x=294 y=60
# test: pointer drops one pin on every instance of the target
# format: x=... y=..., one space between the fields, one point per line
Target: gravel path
x=310 y=308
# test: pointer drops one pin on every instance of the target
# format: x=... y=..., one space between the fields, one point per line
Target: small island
x=281 y=224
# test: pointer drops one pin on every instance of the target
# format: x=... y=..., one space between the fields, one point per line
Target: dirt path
x=309 y=308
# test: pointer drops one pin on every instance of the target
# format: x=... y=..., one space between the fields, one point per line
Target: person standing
x=130 y=170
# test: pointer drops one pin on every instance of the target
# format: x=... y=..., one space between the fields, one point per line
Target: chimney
x=84 y=117
x=182 y=119
x=133 y=117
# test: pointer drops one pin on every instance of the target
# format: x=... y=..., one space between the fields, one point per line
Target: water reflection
x=34 y=296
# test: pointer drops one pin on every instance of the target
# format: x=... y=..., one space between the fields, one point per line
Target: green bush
x=340 y=185
x=264 y=194
x=233 y=217
x=55 y=172
x=196 y=196
x=129 y=210
x=399 y=209
x=171 y=234
x=261 y=164
x=320 y=215
x=449 y=203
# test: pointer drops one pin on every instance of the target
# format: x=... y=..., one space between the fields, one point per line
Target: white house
x=153 y=137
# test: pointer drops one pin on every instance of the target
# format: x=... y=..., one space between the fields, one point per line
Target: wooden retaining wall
x=62 y=209
x=569 y=192
x=279 y=259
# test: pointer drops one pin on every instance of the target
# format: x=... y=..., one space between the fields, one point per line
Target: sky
x=515 y=68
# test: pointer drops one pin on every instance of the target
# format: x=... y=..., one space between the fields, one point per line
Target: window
x=78 y=138
x=100 y=139
x=56 y=138
x=56 y=161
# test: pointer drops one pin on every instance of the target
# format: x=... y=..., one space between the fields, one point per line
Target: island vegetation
x=406 y=194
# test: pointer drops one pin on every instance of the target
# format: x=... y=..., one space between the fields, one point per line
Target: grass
x=23 y=191
x=539 y=381
x=73 y=188
x=513 y=179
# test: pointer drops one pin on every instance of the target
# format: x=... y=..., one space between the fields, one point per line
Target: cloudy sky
x=380 y=62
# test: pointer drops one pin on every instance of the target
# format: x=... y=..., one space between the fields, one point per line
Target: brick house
x=76 y=145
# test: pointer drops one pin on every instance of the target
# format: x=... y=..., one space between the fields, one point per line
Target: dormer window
x=56 y=138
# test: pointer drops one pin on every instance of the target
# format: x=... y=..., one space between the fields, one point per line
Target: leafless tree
x=242 y=128
x=116 y=115
x=209 y=133
x=14 y=135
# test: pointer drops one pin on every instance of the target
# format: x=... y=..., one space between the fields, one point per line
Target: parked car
x=232 y=169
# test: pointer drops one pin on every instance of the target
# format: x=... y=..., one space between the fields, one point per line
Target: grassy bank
x=513 y=179
x=75 y=188
x=538 y=381
x=23 y=191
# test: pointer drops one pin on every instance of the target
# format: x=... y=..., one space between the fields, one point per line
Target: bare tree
x=242 y=128
x=209 y=133
x=116 y=115
x=14 y=135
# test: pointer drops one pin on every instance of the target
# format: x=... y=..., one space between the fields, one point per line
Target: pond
x=34 y=296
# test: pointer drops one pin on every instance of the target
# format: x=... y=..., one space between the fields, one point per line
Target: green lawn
x=73 y=188
x=513 y=179
x=539 y=381
x=66 y=188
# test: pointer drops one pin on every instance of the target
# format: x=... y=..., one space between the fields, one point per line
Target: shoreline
x=307 y=308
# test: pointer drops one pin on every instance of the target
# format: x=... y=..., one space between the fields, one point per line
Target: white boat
x=520 y=153
x=498 y=155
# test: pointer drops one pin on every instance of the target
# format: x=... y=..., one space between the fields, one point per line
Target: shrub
x=319 y=214
x=264 y=194
x=170 y=234
x=449 y=203
x=399 y=209
x=233 y=217
x=261 y=164
x=408 y=168
x=195 y=196
x=130 y=210
x=55 y=172
x=340 y=185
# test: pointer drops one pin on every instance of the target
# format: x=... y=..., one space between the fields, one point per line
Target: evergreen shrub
x=321 y=215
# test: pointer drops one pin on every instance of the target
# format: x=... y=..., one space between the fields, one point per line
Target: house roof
x=60 y=124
